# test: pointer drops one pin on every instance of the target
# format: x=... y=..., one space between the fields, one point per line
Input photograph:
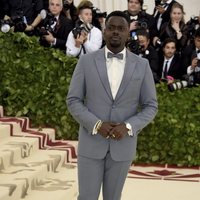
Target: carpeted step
x=46 y=136
x=22 y=175
x=59 y=186
x=4 y=131
x=14 y=149
x=1 y=111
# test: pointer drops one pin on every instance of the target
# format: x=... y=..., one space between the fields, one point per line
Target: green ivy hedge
x=34 y=83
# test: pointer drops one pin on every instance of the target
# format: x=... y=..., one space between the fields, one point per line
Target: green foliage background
x=34 y=83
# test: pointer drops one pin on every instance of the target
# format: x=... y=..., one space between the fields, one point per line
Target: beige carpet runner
x=36 y=166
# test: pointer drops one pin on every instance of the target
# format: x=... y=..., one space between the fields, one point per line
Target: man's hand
x=133 y=25
x=194 y=63
x=118 y=131
x=160 y=9
x=106 y=128
x=82 y=38
x=49 y=38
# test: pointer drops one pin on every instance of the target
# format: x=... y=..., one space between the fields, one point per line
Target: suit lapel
x=128 y=73
x=102 y=70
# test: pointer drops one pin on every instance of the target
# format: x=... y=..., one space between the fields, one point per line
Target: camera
x=192 y=26
x=66 y=5
x=86 y=27
x=16 y=21
x=157 y=2
x=48 y=20
x=189 y=81
x=98 y=14
x=133 y=43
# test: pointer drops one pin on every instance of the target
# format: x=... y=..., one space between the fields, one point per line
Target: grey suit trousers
x=94 y=173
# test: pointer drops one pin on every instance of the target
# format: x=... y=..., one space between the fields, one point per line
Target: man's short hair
x=197 y=33
x=143 y=32
x=169 y=40
x=84 y=5
x=140 y=1
x=118 y=13
x=61 y=2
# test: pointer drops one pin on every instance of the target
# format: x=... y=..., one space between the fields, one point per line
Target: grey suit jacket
x=90 y=99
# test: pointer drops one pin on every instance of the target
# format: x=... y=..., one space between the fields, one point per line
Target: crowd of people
x=171 y=45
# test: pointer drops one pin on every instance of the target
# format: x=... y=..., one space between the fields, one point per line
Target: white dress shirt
x=93 y=43
x=190 y=70
x=115 y=70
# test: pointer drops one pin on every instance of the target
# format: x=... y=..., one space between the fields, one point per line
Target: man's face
x=197 y=42
x=143 y=41
x=55 y=7
x=86 y=15
x=134 y=6
x=169 y=49
x=116 y=33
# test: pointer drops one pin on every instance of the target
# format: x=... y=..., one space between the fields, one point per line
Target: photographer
x=193 y=52
x=27 y=10
x=56 y=27
x=70 y=10
x=148 y=52
x=139 y=18
x=85 y=37
x=192 y=25
x=162 y=11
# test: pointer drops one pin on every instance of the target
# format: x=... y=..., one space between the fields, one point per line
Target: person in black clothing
x=162 y=12
x=175 y=28
x=139 y=18
x=170 y=62
x=70 y=10
x=147 y=51
x=191 y=55
x=28 y=9
x=2 y=8
x=57 y=37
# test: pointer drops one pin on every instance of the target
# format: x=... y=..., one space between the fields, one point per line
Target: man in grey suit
x=112 y=96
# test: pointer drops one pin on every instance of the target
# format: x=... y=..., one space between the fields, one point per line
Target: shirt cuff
x=129 y=127
x=96 y=127
x=189 y=70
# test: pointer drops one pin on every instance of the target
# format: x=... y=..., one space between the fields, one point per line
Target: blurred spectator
x=191 y=55
x=59 y=30
x=70 y=10
x=85 y=37
x=139 y=18
x=192 y=25
x=162 y=12
x=28 y=9
x=170 y=62
x=2 y=8
x=176 y=27
x=148 y=52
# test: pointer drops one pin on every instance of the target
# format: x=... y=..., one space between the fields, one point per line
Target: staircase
x=33 y=164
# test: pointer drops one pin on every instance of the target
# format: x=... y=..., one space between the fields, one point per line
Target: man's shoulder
x=93 y=54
